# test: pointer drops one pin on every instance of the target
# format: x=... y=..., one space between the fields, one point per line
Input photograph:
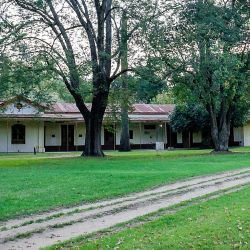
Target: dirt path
x=46 y=229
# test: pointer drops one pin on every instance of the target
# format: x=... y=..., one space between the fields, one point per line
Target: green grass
x=223 y=223
x=14 y=156
x=30 y=184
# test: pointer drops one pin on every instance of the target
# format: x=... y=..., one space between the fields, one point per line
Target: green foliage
x=166 y=97
x=189 y=116
x=39 y=3
x=147 y=84
x=34 y=81
x=214 y=72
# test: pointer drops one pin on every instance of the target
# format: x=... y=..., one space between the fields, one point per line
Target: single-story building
x=25 y=126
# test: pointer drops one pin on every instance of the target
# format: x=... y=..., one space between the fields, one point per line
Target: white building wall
x=52 y=134
x=197 y=137
x=137 y=133
x=25 y=110
x=33 y=137
x=3 y=136
x=117 y=134
x=144 y=136
x=246 y=132
x=80 y=131
x=179 y=137
x=238 y=135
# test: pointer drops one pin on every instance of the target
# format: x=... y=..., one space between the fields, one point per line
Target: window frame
x=18 y=134
x=131 y=134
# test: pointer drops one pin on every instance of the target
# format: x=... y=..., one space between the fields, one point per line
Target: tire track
x=33 y=233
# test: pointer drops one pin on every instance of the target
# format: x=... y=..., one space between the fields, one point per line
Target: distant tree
x=165 y=97
x=30 y=81
x=208 y=50
x=147 y=84
x=125 y=138
x=219 y=74
x=188 y=117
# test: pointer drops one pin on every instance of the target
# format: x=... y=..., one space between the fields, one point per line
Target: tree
x=82 y=37
x=219 y=77
x=210 y=61
x=147 y=84
x=27 y=80
x=188 y=117
x=125 y=138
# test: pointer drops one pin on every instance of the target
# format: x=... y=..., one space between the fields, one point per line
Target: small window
x=149 y=127
x=131 y=134
x=18 y=134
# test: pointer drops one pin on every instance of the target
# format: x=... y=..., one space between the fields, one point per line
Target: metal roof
x=60 y=108
x=69 y=112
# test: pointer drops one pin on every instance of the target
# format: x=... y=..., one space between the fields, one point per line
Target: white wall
x=80 y=130
x=142 y=136
x=53 y=128
x=33 y=137
x=197 y=137
x=26 y=109
x=246 y=131
x=52 y=134
x=238 y=135
x=179 y=137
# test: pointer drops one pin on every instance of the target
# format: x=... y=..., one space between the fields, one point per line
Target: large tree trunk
x=124 y=141
x=93 y=137
x=220 y=130
x=220 y=139
x=94 y=119
x=125 y=138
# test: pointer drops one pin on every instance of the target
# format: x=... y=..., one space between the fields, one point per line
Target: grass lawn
x=30 y=184
x=223 y=223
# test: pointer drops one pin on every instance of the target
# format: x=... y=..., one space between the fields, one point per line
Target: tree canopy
x=209 y=57
x=80 y=41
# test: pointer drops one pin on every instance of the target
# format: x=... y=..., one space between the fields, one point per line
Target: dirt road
x=49 y=228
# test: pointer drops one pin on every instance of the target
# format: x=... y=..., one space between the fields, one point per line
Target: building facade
x=26 y=126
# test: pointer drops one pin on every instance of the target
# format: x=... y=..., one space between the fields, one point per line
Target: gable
x=14 y=108
x=19 y=106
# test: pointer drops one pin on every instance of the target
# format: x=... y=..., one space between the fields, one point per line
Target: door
x=109 y=137
x=67 y=135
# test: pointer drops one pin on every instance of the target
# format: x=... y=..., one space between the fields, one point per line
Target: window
x=18 y=134
x=149 y=127
x=131 y=134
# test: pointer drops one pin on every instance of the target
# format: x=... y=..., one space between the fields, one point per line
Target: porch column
x=140 y=135
x=170 y=136
x=38 y=138
x=165 y=131
x=67 y=137
x=76 y=137
x=7 y=133
x=114 y=136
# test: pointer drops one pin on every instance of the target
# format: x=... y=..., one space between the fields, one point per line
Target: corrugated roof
x=137 y=108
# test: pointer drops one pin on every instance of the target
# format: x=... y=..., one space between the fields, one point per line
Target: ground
x=31 y=184
x=223 y=223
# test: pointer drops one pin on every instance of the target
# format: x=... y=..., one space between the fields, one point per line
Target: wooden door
x=67 y=136
x=109 y=138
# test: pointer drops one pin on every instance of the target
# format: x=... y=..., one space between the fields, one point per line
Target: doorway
x=67 y=135
x=109 y=137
